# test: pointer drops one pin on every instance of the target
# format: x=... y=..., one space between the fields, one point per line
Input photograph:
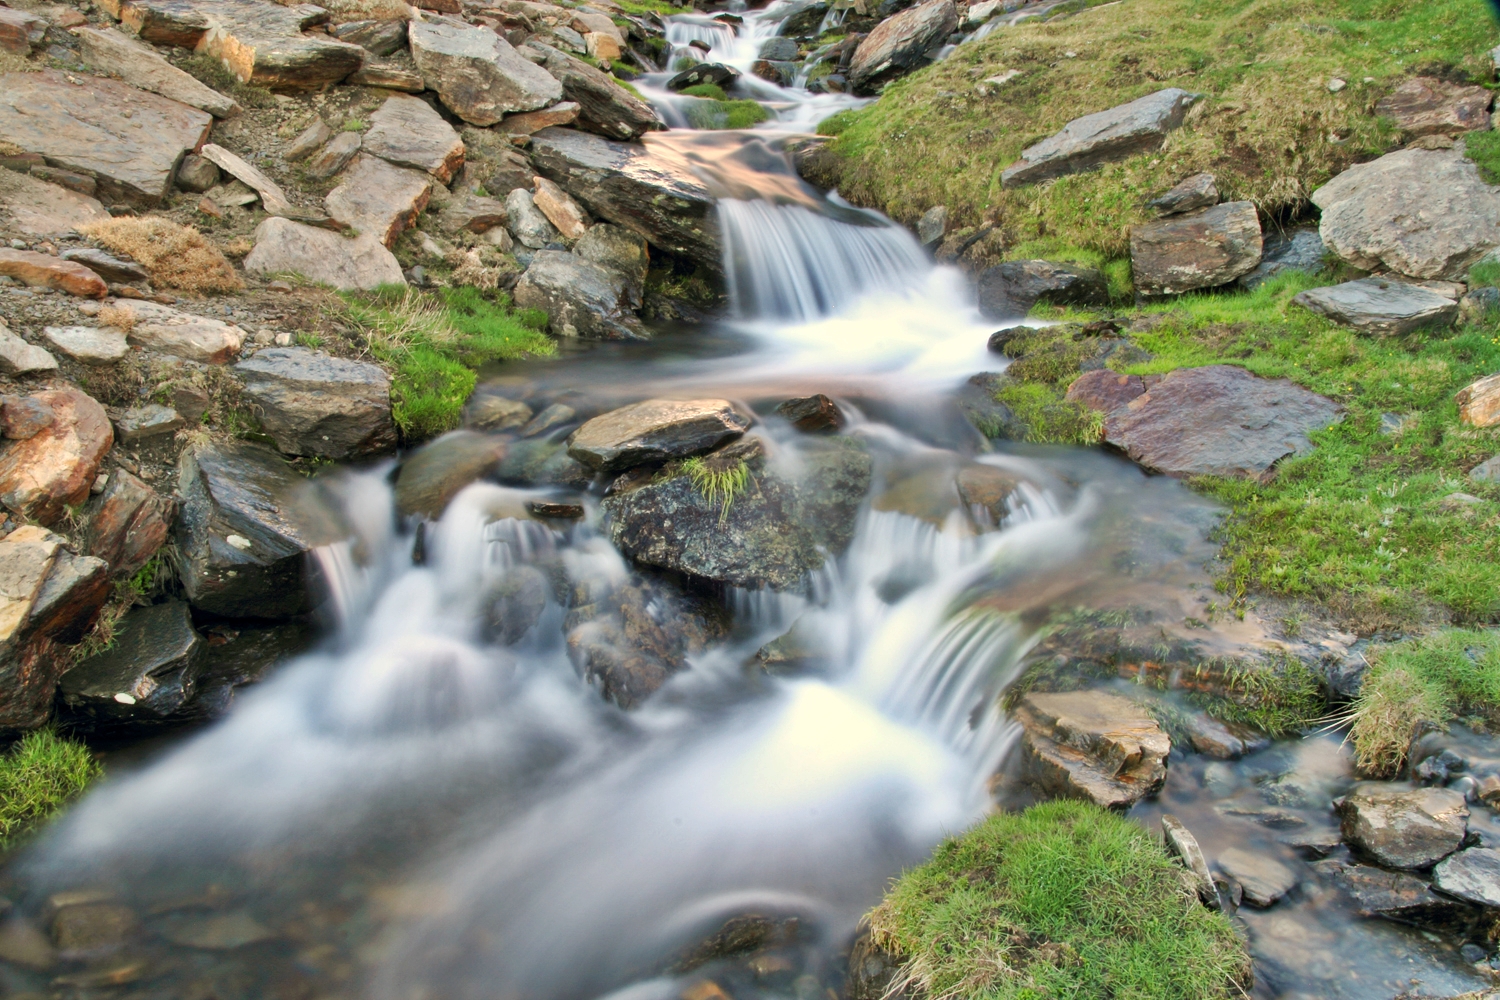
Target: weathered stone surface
x=496 y=413
x=28 y=668
x=560 y=210
x=197 y=338
x=379 y=199
x=1298 y=250
x=619 y=250
x=657 y=430
x=527 y=222
x=128 y=140
x=130 y=526
x=22 y=417
x=41 y=270
x=1404 y=827
x=1472 y=875
x=1198 y=191
x=1424 y=105
x=900 y=44
x=580 y=298
x=1487 y=471
x=527 y=122
x=108 y=267
x=435 y=473
x=1216 y=420
x=1181 y=843
x=779 y=49
x=286 y=247
x=388 y=76
x=476 y=73
x=142 y=66
x=149 y=421
x=71 y=598
x=335 y=156
x=1263 y=878
x=1381 y=305
x=95 y=926
x=308 y=141
x=1391 y=895
x=43 y=475
x=380 y=38
x=263 y=44
x=932 y=225
x=604 y=107
x=625 y=183
x=1421 y=213
x=1088 y=142
x=37 y=208
x=714 y=74
x=272 y=197
x=1479 y=403
x=1092 y=745
x=90 y=345
x=471 y=212
x=17 y=357
x=20 y=31
x=312 y=404
x=407 y=132
x=1010 y=289
x=812 y=414
x=1222 y=740
x=197 y=174
x=1202 y=249
x=163 y=22
x=148 y=674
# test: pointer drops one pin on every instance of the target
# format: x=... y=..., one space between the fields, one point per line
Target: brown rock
x=20 y=32
x=656 y=430
x=473 y=213
x=23 y=417
x=560 y=210
x=162 y=22
x=1093 y=745
x=1424 y=105
x=1105 y=390
x=900 y=43
x=70 y=601
x=387 y=76
x=130 y=526
x=812 y=414
x=286 y=247
x=50 y=471
x=26 y=558
x=527 y=122
x=93 y=927
x=378 y=199
x=987 y=488
x=1479 y=403
x=1403 y=827
x=434 y=474
x=333 y=157
x=308 y=141
x=1202 y=249
x=40 y=209
x=263 y=44
x=141 y=66
x=407 y=132
x=44 y=271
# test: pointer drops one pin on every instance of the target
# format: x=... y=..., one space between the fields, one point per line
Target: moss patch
x=1063 y=900
x=719 y=113
x=38 y=776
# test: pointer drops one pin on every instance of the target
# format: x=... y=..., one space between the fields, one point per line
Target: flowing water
x=422 y=809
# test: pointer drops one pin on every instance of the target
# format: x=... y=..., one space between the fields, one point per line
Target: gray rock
x=435 y=473
x=1182 y=844
x=117 y=54
x=526 y=222
x=380 y=38
x=1093 y=140
x=272 y=198
x=90 y=345
x=778 y=49
x=1198 y=191
x=1472 y=875
x=542 y=462
x=1381 y=305
x=580 y=298
x=714 y=74
x=1479 y=305
x=1391 y=895
x=20 y=358
x=1403 y=827
x=1263 y=879
x=149 y=673
x=407 y=132
x=900 y=44
x=266 y=44
x=152 y=420
x=496 y=413
x=308 y=141
x=802 y=18
x=1223 y=740
x=473 y=213
x=242 y=553
x=604 y=107
x=1425 y=105
x=476 y=73
x=286 y=247
x=196 y=174
x=312 y=404
x=619 y=250
x=1487 y=471
x=1300 y=250
x=335 y=156
x=1202 y=249
x=379 y=199
x=1009 y=290
x=1421 y=213
x=1092 y=745
x=932 y=225
x=552 y=417
x=655 y=431
x=107 y=267
x=184 y=335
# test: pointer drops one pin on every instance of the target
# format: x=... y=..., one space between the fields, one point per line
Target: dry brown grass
x=177 y=257
x=119 y=316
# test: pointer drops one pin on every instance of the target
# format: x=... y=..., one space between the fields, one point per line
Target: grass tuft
x=176 y=256
x=717 y=484
x=38 y=776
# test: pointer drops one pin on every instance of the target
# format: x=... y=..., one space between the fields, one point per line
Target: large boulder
x=379 y=199
x=312 y=404
x=286 y=247
x=655 y=431
x=1009 y=290
x=53 y=469
x=900 y=44
x=580 y=298
x=476 y=73
x=629 y=185
x=130 y=526
x=1202 y=249
x=1425 y=105
x=1424 y=213
x=1218 y=420
x=264 y=44
x=147 y=675
x=1381 y=305
x=202 y=339
x=1403 y=827
x=407 y=132
x=139 y=65
x=241 y=553
x=1092 y=745
x=604 y=107
x=1093 y=140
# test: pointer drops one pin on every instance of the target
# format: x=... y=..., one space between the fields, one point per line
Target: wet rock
x=1183 y=845
x=286 y=247
x=22 y=944
x=1010 y=289
x=655 y=431
x=146 y=676
x=560 y=210
x=604 y=107
x=1479 y=402
x=243 y=655
x=1381 y=306
x=184 y=335
x=779 y=49
x=527 y=122
x=139 y=423
x=91 y=928
x=387 y=76
x=107 y=267
x=1300 y=250
x=580 y=298
x=29 y=664
x=1092 y=745
x=516 y=604
x=986 y=491
x=71 y=598
x=335 y=156
x=1093 y=140
x=379 y=38
x=900 y=44
x=543 y=463
x=625 y=183
x=312 y=404
x=22 y=417
x=619 y=250
x=378 y=199
x=1404 y=827
x=803 y=18
x=715 y=74
x=17 y=357
x=1198 y=191
x=1222 y=740
x=812 y=414
x=1421 y=213
x=21 y=31
x=40 y=270
x=128 y=140
x=216 y=931
x=1202 y=249
x=52 y=470
x=130 y=526
x=87 y=344
x=407 y=132
x=432 y=476
x=476 y=73
x=496 y=413
x=1263 y=879
x=241 y=553
x=1391 y=895
x=139 y=65
x=1424 y=105
x=556 y=415
x=1472 y=875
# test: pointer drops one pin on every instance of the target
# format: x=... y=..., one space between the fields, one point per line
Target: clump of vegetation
x=1063 y=900
x=38 y=776
x=714 y=109
x=717 y=482
x=1281 y=697
x=1432 y=680
x=215 y=74
x=1047 y=416
x=1484 y=149
x=175 y=256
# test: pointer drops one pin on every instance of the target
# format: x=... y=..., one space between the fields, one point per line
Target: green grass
x=433 y=343
x=354 y=125
x=1484 y=149
x=1063 y=900
x=1281 y=698
x=712 y=91
x=717 y=484
x=640 y=8
x=1433 y=679
x=39 y=776
x=717 y=113
x=1048 y=418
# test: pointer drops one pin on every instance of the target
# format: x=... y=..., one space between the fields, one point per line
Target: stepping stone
x=476 y=73
x=1381 y=306
x=1472 y=875
x=88 y=344
x=900 y=43
x=604 y=107
x=184 y=335
x=407 y=132
x=141 y=66
x=1424 y=105
x=1126 y=755
x=1105 y=136
x=312 y=404
x=40 y=270
x=1264 y=879
x=286 y=247
x=1202 y=249
x=44 y=475
x=1403 y=827
x=580 y=298
x=378 y=199
x=17 y=357
x=657 y=430
x=1393 y=895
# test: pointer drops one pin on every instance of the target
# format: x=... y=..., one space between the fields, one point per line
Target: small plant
x=119 y=316
x=1048 y=417
x=309 y=340
x=717 y=483
x=38 y=776
x=354 y=125
x=1281 y=697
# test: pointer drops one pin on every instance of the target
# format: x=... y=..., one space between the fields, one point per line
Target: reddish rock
x=1202 y=249
x=407 y=132
x=1105 y=390
x=44 y=271
x=20 y=32
x=1424 y=105
x=527 y=122
x=812 y=414
x=161 y=22
x=1479 y=403
x=130 y=526
x=23 y=417
x=52 y=470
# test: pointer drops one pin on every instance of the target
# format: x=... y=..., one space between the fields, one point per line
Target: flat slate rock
x=147 y=674
x=88 y=344
x=1198 y=191
x=1472 y=875
x=379 y=199
x=1425 y=105
x=129 y=140
x=657 y=430
x=17 y=357
x=1092 y=745
x=1202 y=249
x=1403 y=827
x=41 y=270
x=202 y=339
x=37 y=208
x=1380 y=305
x=286 y=247
x=1300 y=250
x=900 y=43
x=1264 y=879
x=476 y=73
x=1093 y=140
x=142 y=66
x=604 y=107
x=407 y=132
x=263 y=44
x=313 y=404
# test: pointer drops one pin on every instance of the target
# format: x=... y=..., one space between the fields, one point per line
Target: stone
x=435 y=473
x=552 y=417
x=22 y=944
x=387 y=76
x=40 y=270
x=1105 y=136
x=264 y=44
x=40 y=209
x=20 y=31
x=1472 y=875
x=380 y=38
x=1403 y=827
x=778 y=49
x=580 y=298
x=1422 y=213
x=532 y=228
x=714 y=74
x=1263 y=879
x=1217 y=420
x=527 y=122
x=335 y=156
x=241 y=553
x=90 y=345
x=217 y=931
x=986 y=492
x=471 y=212
x=1222 y=740
x=1202 y=249
x=932 y=225
x=560 y=210
x=197 y=338
x=163 y=22
x=627 y=184
x=1181 y=843
x=315 y=405
x=543 y=462
x=1381 y=306
x=1390 y=895
x=407 y=132
x=308 y=141
x=1198 y=191
x=140 y=65
x=106 y=266
x=1092 y=745
x=604 y=107
x=147 y=675
x=286 y=247
x=128 y=140
x=1479 y=305
x=655 y=431
x=900 y=44
x=1487 y=471
x=152 y=420
x=71 y=598
x=52 y=470
x=802 y=18
x=92 y=927
x=1009 y=290
x=130 y=526
x=1479 y=403
x=496 y=413
x=619 y=250
x=272 y=198
x=23 y=417
x=812 y=414
x=17 y=357
x=1300 y=250
x=476 y=73
x=376 y=198
x=1424 y=105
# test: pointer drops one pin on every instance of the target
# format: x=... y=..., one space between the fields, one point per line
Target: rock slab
x=52 y=470
x=901 y=43
x=1202 y=249
x=407 y=132
x=315 y=405
x=1425 y=105
x=286 y=247
x=655 y=431
x=147 y=675
x=1381 y=306
x=1403 y=827
x=142 y=66
x=1472 y=875
x=1093 y=140
x=1009 y=290
x=604 y=107
x=580 y=298
x=379 y=199
x=476 y=73
x=1092 y=745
